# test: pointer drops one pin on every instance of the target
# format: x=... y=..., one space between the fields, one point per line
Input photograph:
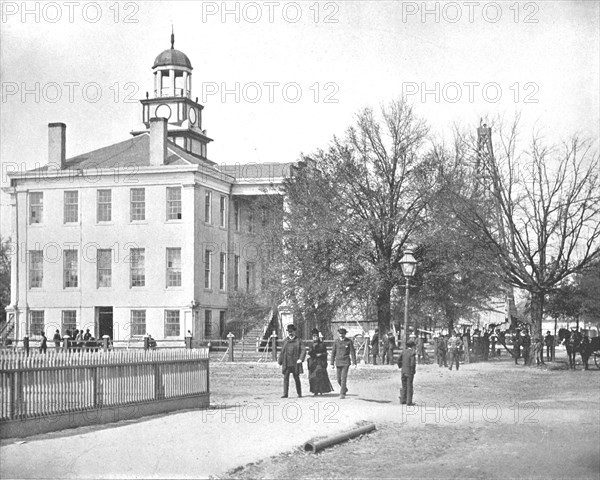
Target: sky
x=278 y=79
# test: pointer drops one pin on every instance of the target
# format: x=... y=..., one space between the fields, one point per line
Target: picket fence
x=59 y=382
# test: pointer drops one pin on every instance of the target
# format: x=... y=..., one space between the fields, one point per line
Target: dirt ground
x=488 y=420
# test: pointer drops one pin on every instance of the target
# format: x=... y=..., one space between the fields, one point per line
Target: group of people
x=77 y=339
x=530 y=349
x=293 y=353
x=451 y=346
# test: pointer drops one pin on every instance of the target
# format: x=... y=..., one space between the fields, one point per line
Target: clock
x=163 y=111
x=192 y=116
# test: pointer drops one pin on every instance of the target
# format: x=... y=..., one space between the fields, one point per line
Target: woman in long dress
x=317 y=366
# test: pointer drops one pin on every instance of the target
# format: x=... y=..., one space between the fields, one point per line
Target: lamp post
x=409 y=265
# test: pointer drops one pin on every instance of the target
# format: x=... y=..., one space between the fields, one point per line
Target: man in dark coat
x=391 y=344
x=407 y=362
x=43 y=343
x=341 y=355
x=290 y=358
x=549 y=341
x=441 y=348
x=57 y=339
x=375 y=346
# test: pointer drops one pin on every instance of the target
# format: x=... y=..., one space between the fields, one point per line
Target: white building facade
x=144 y=236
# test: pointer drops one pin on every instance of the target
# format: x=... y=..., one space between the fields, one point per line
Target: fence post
x=66 y=342
x=274 y=345
x=26 y=344
x=105 y=340
x=230 y=337
x=188 y=340
x=13 y=395
x=159 y=389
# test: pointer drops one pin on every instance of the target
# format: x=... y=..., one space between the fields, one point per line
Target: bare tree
x=537 y=211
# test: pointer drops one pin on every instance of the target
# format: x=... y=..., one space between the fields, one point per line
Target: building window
x=207 y=323
x=70 y=267
x=250 y=221
x=36 y=268
x=221 y=323
x=173 y=203
x=137 y=259
x=223 y=210
x=36 y=207
x=138 y=323
x=138 y=204
x=249 y=276
x=71 y=213
x=104 y=268
x=173 y=267
x=171 y=323
x=222 y=270
x=36 y=323
x=207 y=209
x=104 y=210
x=69 y=321
x=236 y=272
x=237 y=213
x=207 y=264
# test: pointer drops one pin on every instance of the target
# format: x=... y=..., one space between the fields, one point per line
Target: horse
x=575 y=342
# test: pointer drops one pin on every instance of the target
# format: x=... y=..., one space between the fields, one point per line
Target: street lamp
x=409 y=265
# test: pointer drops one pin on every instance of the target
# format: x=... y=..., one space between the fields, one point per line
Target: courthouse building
x=144 y=236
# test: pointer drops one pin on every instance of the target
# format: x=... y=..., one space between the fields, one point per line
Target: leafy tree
x=363 y=202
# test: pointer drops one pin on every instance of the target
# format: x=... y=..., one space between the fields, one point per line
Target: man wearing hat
x=375 y=346
x=290 y=358
x=341 y=355
x=407 y=362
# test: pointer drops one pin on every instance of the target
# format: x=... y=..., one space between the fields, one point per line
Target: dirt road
x=493 y=420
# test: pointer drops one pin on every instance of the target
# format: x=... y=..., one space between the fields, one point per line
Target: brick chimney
x=158 y=141
x=57 y=145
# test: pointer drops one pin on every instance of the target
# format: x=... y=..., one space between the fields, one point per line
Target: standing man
x=290 y=358
x=442 y=348
x=57 y=339
x=407 y=362
x=375 y=346
x=454 y=346
x=44 y=342
x=549 y=341
x=341 y=355
x=486 y=345
x=390 y=348
x=517 y=346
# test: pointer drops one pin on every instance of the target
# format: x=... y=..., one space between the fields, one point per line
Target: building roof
x=132 y=152
x=172 y=56
x=255 y=171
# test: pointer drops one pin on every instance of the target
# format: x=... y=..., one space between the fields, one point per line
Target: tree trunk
x=537 y=313
x=383 y=309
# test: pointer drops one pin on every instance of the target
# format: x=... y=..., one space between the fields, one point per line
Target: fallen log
x=314 y=446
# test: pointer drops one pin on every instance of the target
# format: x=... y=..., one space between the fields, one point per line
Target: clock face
x=192 y=116
x=163 y=111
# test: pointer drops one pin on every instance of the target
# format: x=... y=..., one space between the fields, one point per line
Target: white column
x=185 y=84
x=172 y=79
